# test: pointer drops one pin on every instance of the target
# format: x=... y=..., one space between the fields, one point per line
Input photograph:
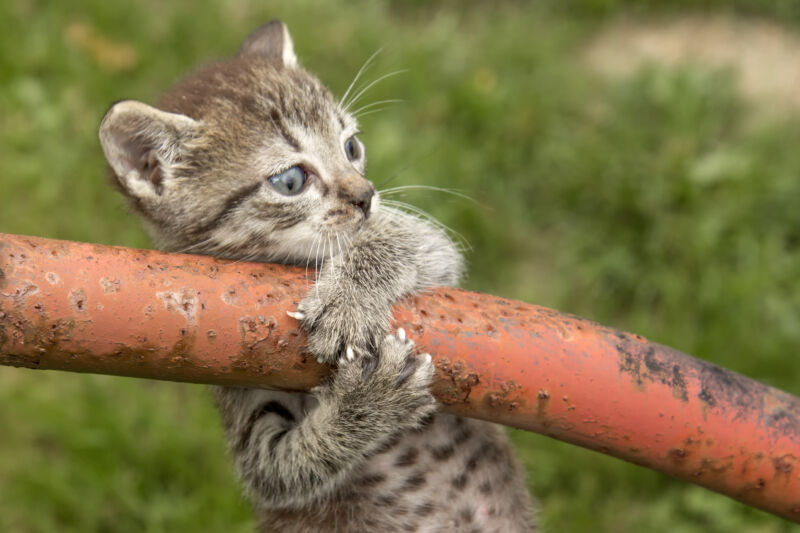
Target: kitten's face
x=251 y=158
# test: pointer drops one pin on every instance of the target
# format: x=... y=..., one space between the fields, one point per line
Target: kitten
x=253 y=159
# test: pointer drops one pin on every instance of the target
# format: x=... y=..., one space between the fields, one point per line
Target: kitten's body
x=366 y=451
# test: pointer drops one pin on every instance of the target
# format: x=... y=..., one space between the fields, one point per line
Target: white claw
x=297 y=315
x=350 y=354
x=427 y=357
x=401 y=333
x=320 y=359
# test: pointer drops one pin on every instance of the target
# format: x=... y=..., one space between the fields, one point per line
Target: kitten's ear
x=272 y=42
x=144 y=144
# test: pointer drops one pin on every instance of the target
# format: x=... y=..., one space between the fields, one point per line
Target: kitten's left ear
x=272 y=42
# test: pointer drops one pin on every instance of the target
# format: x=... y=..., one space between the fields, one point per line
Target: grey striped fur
x=367 y=450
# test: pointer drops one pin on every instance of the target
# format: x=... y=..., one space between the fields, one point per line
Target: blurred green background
x=636 y=163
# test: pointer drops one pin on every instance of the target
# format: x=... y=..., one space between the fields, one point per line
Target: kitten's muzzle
x=364 y=202
x=357 y=192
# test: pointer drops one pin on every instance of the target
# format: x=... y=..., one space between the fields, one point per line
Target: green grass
x=654 y=203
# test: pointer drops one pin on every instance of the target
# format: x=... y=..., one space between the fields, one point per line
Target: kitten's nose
x=358 y=192
x=364 y=200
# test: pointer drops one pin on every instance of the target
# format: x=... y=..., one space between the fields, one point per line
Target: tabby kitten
x=252 y=159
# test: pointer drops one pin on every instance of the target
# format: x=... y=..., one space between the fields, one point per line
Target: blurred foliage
x=656 y=203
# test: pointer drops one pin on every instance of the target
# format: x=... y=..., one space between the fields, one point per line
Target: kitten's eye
x=352 y=149
x=289 y=182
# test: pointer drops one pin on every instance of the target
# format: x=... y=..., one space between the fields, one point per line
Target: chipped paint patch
x=184 y=301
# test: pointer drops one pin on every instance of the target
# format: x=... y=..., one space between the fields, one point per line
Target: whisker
x=321 y=266
x=454 y=192
x=246 y=258
x=371 y=111
x=316 y=260
x=308 y=258
x=188 y=249
x=332 y=267
x=373 y=104
x=360 y=93
x=424 y=215
x=357 y=76
x=405 y=167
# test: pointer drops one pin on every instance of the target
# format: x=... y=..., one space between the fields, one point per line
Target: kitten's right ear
x=144 y=144
x=272 y=42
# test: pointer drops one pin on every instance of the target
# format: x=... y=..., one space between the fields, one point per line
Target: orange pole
x=111 y=310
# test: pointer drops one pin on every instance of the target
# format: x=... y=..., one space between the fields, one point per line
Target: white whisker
x=371 y=111
x=412 y=210
x=321 y=266
x=332 y=267
x=357 y=76
x=191 y=247
x=360 y=93
x=308 y=257
x=373 y=104
x=454 y=192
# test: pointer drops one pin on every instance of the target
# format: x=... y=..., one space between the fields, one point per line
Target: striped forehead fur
x=257 y=93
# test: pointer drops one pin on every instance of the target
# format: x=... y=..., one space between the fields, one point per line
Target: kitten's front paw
x=335 y=326
x=394 y=385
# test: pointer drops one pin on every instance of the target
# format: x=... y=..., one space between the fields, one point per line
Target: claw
x=320 y=359
x=297 y=315
x=401 y=333
x=350 y=354
x=427 y=357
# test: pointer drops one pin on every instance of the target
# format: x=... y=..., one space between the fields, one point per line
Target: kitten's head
x=250 y=157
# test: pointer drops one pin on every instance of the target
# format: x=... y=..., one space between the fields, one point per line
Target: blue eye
x=289 y=182
x=352 y=149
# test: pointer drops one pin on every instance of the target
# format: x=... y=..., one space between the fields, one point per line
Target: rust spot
x=183 y=302
x=783 y=464
x=211 y=334
x=109 y=285
x=458 y=384
x=77 y=298
x=22 y=292
x=678 y=454
x=509 y=396
x=229 y=296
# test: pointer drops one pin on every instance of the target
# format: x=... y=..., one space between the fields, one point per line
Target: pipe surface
x=111 y=310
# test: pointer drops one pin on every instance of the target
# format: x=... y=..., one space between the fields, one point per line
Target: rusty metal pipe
x=111 y=310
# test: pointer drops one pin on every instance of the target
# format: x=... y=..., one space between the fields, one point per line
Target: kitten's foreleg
x=289 y=461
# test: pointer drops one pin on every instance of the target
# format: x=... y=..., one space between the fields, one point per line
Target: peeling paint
x=184 y=301
x=508 y=362
x=77 y=300
x=109 y=285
